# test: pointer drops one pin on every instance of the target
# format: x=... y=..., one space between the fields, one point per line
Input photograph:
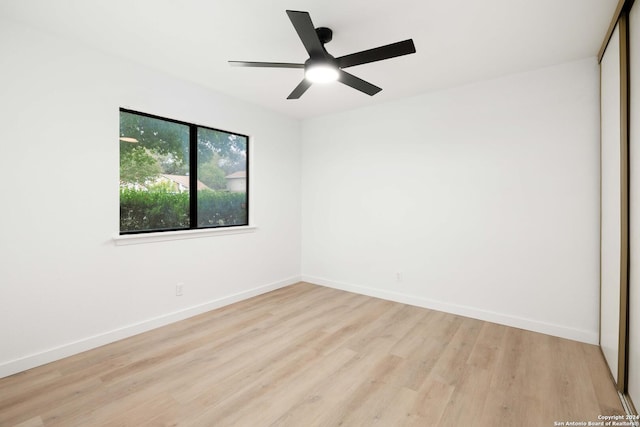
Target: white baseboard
x=589 y=337
x=31 y=361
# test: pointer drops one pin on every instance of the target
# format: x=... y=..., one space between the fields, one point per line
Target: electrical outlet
x=179 y=287
x=399 y=276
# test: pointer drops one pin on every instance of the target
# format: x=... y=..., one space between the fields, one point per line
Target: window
x=180 y=176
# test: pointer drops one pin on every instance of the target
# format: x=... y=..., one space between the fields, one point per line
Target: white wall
x=484 y=197
x=64 y=285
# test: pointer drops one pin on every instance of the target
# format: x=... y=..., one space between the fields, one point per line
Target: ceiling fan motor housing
x=324 y=34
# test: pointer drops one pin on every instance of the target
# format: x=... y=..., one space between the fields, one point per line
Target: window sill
x=135 y=239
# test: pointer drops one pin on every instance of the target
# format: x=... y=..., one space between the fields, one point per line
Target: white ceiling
x=457 y=42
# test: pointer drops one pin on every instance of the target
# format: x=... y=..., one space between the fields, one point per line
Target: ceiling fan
x=322 y=67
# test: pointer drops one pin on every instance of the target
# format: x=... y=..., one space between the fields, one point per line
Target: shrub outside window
x=180 y=176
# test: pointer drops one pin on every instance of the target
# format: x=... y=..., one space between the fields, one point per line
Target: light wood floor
x=307 y=355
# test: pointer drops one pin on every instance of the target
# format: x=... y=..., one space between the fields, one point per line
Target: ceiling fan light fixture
x=321 y=73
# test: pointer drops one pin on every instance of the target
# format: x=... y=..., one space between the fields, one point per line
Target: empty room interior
x=408 y=213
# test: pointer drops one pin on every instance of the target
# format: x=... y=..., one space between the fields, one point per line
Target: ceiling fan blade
x=357 y=83
x=265 y=64
x=300 y=89
x=306 y=31
x=377 y=54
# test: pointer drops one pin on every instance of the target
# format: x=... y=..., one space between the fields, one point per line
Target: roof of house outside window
x=239 y=174
x=183 y=180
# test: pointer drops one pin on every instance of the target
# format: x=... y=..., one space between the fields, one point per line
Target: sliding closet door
x=634 y=207
x=612 y=209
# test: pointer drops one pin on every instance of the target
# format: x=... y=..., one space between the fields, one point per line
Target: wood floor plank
x=601 y=380
x=307 y=355
x=486 y=351
x=365 y=401
x=26 y=381
x=432 y=399
x=277 y=399
x=33 y=422
x=507 y=403
x=323 y=400
x=452 y=362
x=400 y=410
x=468 y=397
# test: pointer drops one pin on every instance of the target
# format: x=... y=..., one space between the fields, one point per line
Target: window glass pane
x=154 y=174
x=222 y=179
